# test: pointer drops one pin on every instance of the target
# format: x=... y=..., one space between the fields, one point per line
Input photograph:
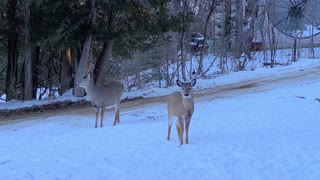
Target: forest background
x=50 y=45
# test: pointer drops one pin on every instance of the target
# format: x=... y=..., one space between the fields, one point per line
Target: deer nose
x=186 y=94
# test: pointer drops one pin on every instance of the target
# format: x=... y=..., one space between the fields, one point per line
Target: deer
x=181 y=105
x=103 y=97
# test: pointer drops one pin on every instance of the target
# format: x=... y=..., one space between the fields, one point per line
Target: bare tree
x=225 y=34
x=182 y=40
x=208 y=18
x=272 y=44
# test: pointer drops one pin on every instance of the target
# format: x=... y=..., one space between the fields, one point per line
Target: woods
x=46 y=46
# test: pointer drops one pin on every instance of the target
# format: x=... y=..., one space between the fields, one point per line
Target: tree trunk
x=245 y=27
x=294 y=56
x=65 y=72
x=273 y=47
x=35 y=70
x=12 y=68
x=223 y=47
x=83 y=63
x=167 y=71
x=200 y=67
x=28 y=81
x=239 y=30
x=251 y=20
x=228 y=24
x=101 y=66
x=311 y=45
x=183 y=63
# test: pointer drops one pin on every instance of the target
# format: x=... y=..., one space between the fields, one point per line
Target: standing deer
x=181 y=105
x=103 y=97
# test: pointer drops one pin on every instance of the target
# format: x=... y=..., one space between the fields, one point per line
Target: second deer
x=103 y=97
x=181 y=105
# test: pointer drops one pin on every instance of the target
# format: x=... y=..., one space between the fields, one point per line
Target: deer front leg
x=180 y=129
x=96 y=110
x=187 y=129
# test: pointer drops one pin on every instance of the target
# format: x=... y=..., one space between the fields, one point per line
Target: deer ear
x=179 y=83
x=193 y=82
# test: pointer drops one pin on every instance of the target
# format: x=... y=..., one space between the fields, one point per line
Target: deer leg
x=96 y=110
x=118 y=115
x=169 y=128
x=180 y=130
x=187 y=130
x=115 y=118
x=101 y=116
x=97 y=114
x=118 y=112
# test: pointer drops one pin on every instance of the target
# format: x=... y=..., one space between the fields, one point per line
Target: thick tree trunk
x=101 y=66
x=28 y=81
x=83 y=63
x=82 y=66
x=65 y=79
x=12 y=68
x=35 y=70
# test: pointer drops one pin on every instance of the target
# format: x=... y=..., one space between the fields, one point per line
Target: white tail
x=102 y=97
x=181 y=105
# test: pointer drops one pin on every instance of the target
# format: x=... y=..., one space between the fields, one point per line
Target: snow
x=270 y=134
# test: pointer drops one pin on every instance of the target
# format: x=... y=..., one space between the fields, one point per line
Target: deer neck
x=91 y=88
x=188 y=102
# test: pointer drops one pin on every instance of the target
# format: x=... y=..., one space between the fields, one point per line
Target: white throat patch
x=186 y=97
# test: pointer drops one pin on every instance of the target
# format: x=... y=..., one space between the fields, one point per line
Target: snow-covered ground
x=265 y=135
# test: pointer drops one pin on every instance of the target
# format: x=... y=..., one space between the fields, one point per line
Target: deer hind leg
x=118 y=112
x=117 y=115
x=101 y=116
x=169 y=128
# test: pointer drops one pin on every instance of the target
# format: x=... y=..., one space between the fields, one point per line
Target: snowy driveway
x=266 y=128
